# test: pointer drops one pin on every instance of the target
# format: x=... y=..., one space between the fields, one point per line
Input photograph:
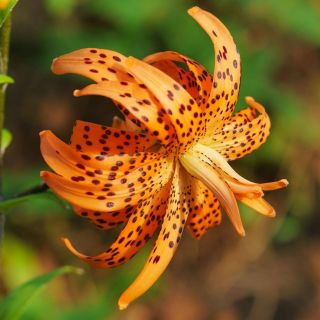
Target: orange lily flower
x=165 y=165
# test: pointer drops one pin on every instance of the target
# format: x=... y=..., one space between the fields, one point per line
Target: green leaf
x=13 y=305
x=6 y=139
x=7 y=204
x=4 y=13
x=61 y=8
x=5 y=79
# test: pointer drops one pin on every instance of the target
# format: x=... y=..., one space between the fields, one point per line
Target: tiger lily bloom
x=165 y=165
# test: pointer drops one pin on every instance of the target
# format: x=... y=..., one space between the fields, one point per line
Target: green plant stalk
x=4 y=59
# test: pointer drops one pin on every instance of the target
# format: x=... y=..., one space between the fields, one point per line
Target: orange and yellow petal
x=204 y=208
x=136 y=100
x=238 y=137
x=98 y=139
x=118 y=181
x=105 y=220
x=258 y=204
x=168 y=239
x=227 y=70
x=195 y=78
x=95 y=64
x=237 y=183
x=184 y=113
x=142 y=224
x=216 y=184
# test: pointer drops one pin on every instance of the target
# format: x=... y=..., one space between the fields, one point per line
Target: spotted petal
x=182 y=110
x=204 y=208
x=211 y=178
x=137 y=101
x=240 y=137
x=92 y=138
x=227 y=73
x=117 y=182
x=197 y=76
x=142 y=224
x=167 y=242
x=105 y=220
x=96 y=64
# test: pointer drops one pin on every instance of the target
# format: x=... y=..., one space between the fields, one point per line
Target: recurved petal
x=259 y=205
x=167 y=242
x=211 y=178
x=126 y=125
x=96 y=64
x=184 y=77
x=111 y=195
x=227 y=72
x=197 y=73
x=136 y=100
x=117 y=182
x=184 y=113
x=204 y=208
x=83 y=167
x=105 y=220
x=239 y=138
x=92 y=138
x=237 y=183
x=142 y=224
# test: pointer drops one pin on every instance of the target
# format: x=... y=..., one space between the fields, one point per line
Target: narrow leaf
x=13 y=305
x=7 y=204
x=5 y=79
x=5 y=12
x=6 y=139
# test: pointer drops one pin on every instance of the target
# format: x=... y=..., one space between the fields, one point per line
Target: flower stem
x=4 y=59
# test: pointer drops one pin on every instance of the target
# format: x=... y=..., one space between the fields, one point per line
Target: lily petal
x=197 y=72
x=138 y=102
x=182 y=110
x=178 y=74
x=116 y=183
x=227 y=72
x=260 y=205
x=216 y=184
x=96 y=64
x=70 y=163
x=237 y=183
x=239 y=138
x=105 y=220
x=97 y=139
x=166 y=244
x=142 y=224
x=204 y=208
x=125 y=125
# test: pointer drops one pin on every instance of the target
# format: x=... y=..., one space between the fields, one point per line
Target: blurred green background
x=274 y=272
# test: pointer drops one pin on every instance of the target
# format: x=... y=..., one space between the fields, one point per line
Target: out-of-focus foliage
x=13 y=305
x=221 y=277
x=6 y=137
x=5 y=79
x=6 y=9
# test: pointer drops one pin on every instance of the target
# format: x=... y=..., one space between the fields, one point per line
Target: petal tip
x=77 y=93
x=249 y=99
x=55 y=66
x=272 y=214
x=72 y=248
x=44 y=174
x=284 y=182
x=194 y=10
x=42 y=133
x=122 y=305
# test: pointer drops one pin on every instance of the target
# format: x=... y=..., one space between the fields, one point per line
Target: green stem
x=4 y=59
